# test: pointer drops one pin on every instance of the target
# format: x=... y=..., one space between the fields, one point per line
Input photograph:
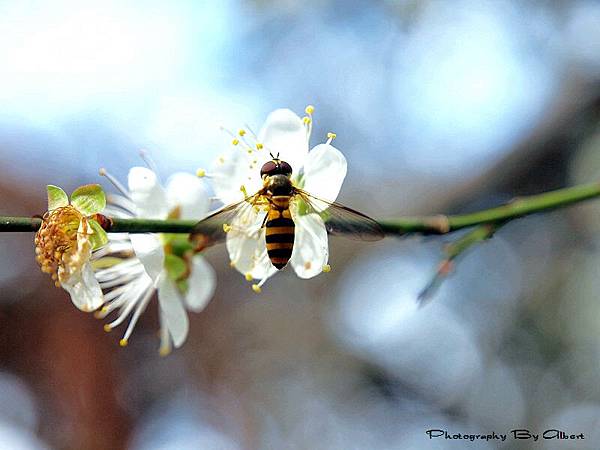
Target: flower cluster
x=119 y=273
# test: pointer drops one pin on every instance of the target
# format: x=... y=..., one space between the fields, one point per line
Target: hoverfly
x=278 y=203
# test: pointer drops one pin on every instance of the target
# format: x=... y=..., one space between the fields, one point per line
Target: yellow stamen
x=249 y=277
x=331 y=135
x=256 y=288
x=326 y=268
x=306 y=120
x=200 y=173
x=242 y=132
x=226 y=228
x=235 y=141
x=123 y=342
x=164 y=351
x=259 y=146
x=310 y=109
x=107 y=328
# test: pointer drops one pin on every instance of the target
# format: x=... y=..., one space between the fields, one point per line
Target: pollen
x=256 y=288
x=310 y=109
x=248 y=277
x=326 y=268
x=235 y=141
x=123 y=342
x=200 y=173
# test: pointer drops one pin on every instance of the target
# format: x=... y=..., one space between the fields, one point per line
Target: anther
x=200 y=173
x=326 y=268
x=235 y=141
x=259 y=146
x=242 y=132
x=306 y=120
x=226 y=228
x=256 y=288
x=331 y=136
x=310 y=109
x=107 y=328
x=248 y=277
x=123 y=342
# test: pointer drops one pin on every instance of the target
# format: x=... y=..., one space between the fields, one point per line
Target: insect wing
x=339 y=219
x=214 y=228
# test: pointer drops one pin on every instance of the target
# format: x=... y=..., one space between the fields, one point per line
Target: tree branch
x=429 y=225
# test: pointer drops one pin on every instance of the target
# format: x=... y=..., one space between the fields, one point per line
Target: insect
x=273 y=208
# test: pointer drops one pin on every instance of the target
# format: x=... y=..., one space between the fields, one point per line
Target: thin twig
x=429 y=225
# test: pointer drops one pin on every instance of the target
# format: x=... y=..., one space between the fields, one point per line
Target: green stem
x=440 y=224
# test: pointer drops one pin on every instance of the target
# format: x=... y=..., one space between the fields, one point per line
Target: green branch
x=439 y=224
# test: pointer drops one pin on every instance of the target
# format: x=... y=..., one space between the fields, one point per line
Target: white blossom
x=132 y=267
x=236 y=174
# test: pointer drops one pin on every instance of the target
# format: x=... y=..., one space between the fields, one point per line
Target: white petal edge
x=189 y=193
x=311 y=248
x=172 y=310
x=325 y=168
x=84 y=289
x=284 y=133
x=149 y=250
x=201 y=284
x=147 y=194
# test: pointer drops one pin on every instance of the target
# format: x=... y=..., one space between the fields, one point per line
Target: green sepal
x=89 y=199
x=180 y=245
x=183 y=285
x=98 y=238
x=57 y=198
x=176 y=267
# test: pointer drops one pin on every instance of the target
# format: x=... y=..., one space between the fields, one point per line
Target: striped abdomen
x=279 y=232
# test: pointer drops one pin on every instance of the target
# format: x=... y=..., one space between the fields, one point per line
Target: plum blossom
x=65 y=241
x=236 y=175
x=132 y=267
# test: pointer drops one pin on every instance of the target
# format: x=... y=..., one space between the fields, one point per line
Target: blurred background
x=439 y=107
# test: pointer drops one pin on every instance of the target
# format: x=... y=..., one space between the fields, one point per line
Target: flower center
x=62 y=243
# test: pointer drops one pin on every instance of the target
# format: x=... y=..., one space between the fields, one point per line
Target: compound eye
x=269 y=168
x=285 y=168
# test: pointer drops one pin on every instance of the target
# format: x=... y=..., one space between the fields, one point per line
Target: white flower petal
x=188 y=192
x=84 y=289
x=284 y=133
x=201 y=284
x=232 y=171
x=147 y=194
x=325 y=168
x=149 y=250
x=311 y=250
x=246 y=245
x=172 y=311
